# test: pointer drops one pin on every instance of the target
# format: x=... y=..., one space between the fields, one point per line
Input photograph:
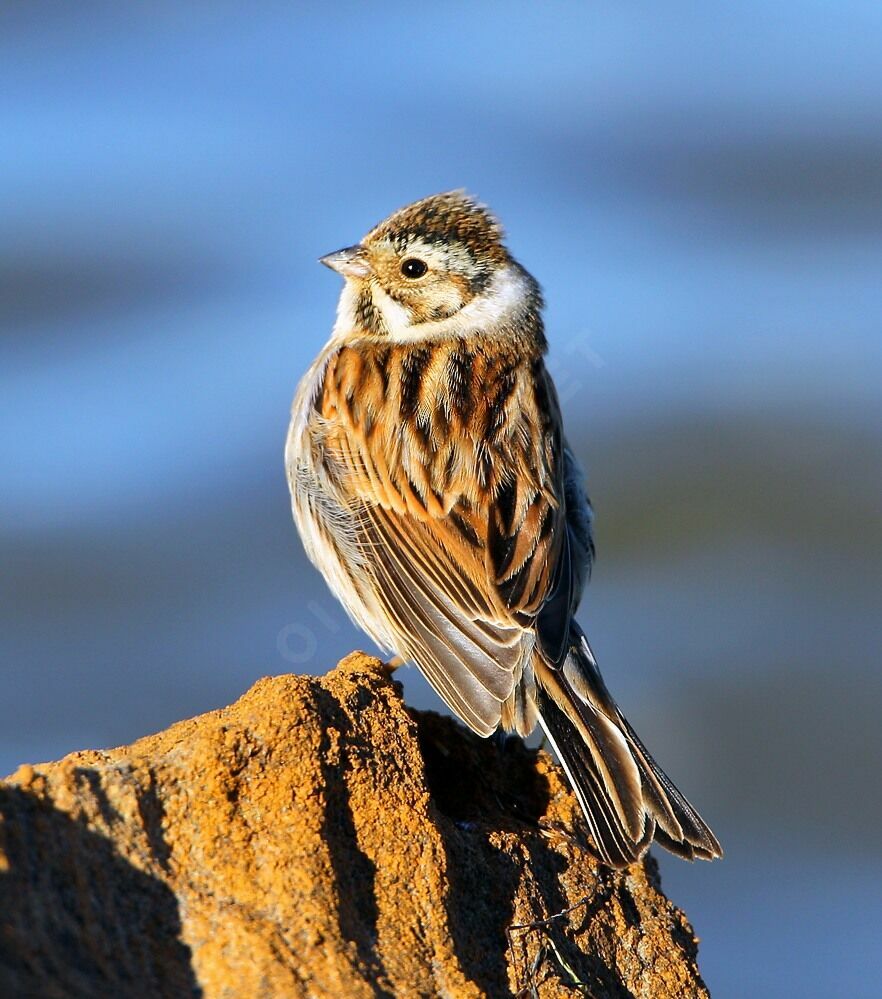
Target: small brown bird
x=434 y=489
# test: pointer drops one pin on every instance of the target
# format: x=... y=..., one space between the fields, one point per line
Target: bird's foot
x=393 y=664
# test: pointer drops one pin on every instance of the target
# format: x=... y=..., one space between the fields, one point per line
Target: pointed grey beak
x=349 y=262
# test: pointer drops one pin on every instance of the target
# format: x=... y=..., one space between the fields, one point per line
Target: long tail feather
x=627 y=798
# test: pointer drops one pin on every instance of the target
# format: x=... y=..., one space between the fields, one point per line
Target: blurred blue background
x=699 y=190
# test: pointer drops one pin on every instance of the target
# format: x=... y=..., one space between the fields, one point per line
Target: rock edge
x=318 y=838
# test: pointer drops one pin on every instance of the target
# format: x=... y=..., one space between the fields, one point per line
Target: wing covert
x=459 y=515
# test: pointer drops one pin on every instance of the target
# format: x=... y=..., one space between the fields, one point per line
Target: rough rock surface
x=319 y=839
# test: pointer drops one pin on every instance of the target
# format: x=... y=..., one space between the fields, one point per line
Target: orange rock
x=317 y=838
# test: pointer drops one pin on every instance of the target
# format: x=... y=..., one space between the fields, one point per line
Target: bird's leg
x=393 y=664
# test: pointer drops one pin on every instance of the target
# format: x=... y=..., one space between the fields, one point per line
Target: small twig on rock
x=543 y=925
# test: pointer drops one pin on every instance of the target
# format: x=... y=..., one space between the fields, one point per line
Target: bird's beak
x=350 y=262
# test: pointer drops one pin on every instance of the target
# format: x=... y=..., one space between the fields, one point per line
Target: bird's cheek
x=398 y=315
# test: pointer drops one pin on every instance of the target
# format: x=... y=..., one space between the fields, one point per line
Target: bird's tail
x=627 y=798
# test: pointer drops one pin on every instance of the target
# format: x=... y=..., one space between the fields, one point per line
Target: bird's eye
x=413 y=267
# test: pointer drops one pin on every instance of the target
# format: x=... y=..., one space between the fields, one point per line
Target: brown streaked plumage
x=433 y=487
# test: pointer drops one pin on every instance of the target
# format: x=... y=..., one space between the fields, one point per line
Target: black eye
x=414 y=268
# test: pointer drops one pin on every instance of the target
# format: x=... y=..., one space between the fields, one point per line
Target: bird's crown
x=452 y=217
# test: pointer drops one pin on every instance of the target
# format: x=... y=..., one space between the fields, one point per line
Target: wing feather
x=460 y=545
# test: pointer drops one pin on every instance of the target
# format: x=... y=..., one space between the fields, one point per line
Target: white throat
x=502 y=300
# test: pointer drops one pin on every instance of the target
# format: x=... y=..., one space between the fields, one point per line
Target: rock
x=317 y=838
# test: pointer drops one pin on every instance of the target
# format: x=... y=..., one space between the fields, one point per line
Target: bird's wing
x=573 y=566
x=464 y=534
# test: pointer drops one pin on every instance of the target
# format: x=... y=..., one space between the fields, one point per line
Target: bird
x=434 y=489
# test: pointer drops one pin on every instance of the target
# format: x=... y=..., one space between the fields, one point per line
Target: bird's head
x=436 y=266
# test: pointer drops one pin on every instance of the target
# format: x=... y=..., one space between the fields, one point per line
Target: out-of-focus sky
x=699 y=190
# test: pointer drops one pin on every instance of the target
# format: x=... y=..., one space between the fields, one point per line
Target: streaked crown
x=448 y=219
